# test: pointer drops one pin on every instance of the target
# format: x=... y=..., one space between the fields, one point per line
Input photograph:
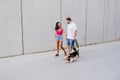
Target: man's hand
x=75 y=34
x=74 y=37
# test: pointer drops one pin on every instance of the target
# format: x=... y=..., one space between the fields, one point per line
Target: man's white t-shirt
x=71 y=30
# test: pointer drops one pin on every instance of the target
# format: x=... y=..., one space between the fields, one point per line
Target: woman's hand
x=65 y=35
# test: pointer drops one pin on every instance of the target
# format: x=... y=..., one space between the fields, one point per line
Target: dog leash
x=76 y=42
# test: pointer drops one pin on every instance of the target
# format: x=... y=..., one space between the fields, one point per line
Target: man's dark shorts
x=70 y=42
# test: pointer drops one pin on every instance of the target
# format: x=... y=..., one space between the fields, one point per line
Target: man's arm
x=75 y=31
x=66 y=35
x=75 y=34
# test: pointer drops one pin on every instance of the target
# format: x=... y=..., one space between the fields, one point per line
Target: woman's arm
x=64 y=33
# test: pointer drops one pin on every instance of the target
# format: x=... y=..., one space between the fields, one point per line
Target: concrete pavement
x=97 y=62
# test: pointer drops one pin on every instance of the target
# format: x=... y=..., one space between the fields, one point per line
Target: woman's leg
x=61 y=47
x=57 y=47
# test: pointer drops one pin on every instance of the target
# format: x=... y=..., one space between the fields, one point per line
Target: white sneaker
x=65 y=57
x=72 y=60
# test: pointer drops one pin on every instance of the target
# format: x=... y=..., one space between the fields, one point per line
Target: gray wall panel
x=110 y=25
x=118 y=18
x=95 y=20
x=76 y=9
x=39 y=20
x=10 y=28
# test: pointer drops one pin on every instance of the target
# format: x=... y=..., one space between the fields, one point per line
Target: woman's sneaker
x=56 y=55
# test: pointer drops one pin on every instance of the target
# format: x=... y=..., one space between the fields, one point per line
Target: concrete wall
x=27 y=26
x=76 y=9
x=95 y=20
x=39 y=17
x=10 y=28
x=110 y=23
x=118 y=19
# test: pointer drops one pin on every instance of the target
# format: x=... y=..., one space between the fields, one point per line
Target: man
x=70 y=35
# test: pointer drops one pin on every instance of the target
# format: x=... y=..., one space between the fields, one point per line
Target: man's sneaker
x=72 y=60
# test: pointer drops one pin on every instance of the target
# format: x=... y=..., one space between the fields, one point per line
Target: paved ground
x=97 y=62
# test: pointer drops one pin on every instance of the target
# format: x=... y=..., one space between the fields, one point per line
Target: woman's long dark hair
x=56 y=26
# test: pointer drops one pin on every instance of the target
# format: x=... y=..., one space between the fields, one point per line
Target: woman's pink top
x=59 y=32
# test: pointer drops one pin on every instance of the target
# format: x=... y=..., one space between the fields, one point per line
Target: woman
x=59 y=38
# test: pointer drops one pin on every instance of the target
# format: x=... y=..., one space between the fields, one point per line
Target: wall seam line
x=61 y=11
x=86 y=24
x=22 y=30
x=104 y=22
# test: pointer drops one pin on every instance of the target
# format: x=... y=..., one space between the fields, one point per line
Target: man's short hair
x=68 y=18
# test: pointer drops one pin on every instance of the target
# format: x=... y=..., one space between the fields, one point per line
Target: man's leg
x=68 y=50
x=67 y=58
x=71 y=44
x=68 y=47
x=71 y=49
